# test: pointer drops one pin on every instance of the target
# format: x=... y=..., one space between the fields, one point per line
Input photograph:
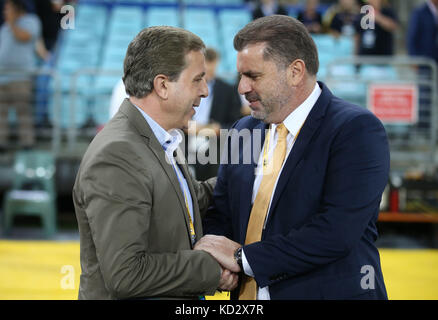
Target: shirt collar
x=168 y=140
x=296 y=118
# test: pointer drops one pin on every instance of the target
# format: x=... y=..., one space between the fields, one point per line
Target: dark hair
x=157 y=50
x=211 y=55
x=286 y=38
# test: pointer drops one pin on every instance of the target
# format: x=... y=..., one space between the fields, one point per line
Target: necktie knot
x=282 y=131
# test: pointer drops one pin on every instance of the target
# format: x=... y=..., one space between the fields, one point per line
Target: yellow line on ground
x=34 y=270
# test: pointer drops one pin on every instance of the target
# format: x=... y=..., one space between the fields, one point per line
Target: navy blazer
x=422 y=38
x=319 y=237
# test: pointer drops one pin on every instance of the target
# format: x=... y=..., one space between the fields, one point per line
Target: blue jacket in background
x=422 y=37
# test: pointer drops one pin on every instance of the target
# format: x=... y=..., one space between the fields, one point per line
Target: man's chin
x=258 y=115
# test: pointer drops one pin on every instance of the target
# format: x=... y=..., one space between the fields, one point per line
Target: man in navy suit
x=317 y=235
x=422 y=38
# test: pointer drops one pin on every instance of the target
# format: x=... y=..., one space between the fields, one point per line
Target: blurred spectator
x=339 y=18
x=378 y=40
x=49 y=13
x=220 y=109
x=268 y=8
x=422 y=41
x=18 y=35
x=310 y=17
x=222 y=106
x=422 y=36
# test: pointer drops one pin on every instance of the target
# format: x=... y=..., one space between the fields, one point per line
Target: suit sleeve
x=118 y=204
x=355 y=178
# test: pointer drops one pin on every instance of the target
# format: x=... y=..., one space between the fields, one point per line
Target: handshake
x=222 y=249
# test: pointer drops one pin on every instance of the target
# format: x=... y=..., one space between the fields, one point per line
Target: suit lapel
x=302 y=142
x=136 y=118
x=196 y=214
x=248 y=176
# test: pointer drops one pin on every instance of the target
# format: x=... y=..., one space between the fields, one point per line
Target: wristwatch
x=238 y=258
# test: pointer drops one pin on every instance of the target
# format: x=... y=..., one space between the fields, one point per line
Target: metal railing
x=362 y=80
x=44 y=102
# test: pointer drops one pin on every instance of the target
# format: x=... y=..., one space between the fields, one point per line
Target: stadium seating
x=230 y=22
x=103 y=33
x=33 y=191
x=202 y=22
x=158 y=16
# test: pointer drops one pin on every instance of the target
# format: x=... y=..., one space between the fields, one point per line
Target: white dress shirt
x=293 y=122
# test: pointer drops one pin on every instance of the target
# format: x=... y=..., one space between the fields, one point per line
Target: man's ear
x=161 y=86
x=295 y=72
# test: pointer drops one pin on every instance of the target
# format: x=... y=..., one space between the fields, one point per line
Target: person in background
x=219 y=110
x=422 y=41
x=310 y=17
x=49 y=13
x=422 y=38
x=267 y=8
x=340 y=18
x=18 y=36
x=380 y=39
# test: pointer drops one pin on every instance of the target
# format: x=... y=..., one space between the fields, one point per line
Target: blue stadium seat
x=126 y=14
x=344 y=46
x=230 y=22
x=324 y=43
x=234 y=19
x=378 y=72
x=100 y=109
x=343 y=70
x=200 y=2
x=63 y=113
x=351 y=91
x=202 y=22
x=229 y=2
x=160 y=16
x=158 y=1
x=104 y=84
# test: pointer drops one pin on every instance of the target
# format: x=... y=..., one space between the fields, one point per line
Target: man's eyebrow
x=250 y=74
x=202 y=74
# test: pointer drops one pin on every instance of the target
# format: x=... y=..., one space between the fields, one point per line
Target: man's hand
x=228 y=280
x=222 y=249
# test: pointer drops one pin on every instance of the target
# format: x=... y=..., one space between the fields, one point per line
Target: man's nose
x=204 y=89
x=244 y=86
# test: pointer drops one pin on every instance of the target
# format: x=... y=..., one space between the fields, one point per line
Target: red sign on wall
x=394 y=103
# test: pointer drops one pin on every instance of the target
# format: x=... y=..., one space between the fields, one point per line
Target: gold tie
x=271 y=169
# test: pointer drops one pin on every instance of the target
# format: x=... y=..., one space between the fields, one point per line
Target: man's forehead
x=252 y=58
x=257 y=48
x=195 y=60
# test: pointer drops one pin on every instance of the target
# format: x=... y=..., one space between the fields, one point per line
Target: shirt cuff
x=246 y=267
